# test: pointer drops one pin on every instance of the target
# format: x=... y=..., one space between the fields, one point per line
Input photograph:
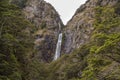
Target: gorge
x=33 y=37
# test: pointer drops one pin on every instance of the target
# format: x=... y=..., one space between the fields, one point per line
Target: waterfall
x=58 y=48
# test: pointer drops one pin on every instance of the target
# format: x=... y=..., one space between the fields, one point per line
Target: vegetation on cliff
x=15 y=42
x=96 y=60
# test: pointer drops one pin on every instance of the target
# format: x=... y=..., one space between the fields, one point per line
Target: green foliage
x=37 y=70
x=106 y=19
x=68 y=67
x=97 y=60
x=15 y=41
x=105 y=48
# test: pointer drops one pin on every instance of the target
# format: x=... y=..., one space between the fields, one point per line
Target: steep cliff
x=79 y=28
x=26 y=44
x=47 y=27
x=47 y=22
x=92 y=37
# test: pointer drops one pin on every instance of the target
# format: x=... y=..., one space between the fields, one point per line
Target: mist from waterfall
x=58 y=48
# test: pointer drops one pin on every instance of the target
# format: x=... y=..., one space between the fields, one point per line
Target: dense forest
x=15 y=41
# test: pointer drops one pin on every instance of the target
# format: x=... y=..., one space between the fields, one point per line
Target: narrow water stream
x=58 y=48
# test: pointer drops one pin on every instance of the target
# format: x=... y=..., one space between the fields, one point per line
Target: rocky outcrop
x=47 y=20
x=79 y=28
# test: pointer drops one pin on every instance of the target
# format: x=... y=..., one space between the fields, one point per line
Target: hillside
x=16 y=42
x=92 y=39
x=90 y=45
x=26 y=42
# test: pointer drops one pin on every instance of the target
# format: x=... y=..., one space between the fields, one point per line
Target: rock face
x=46 y=20
x=93 y=37
x=79 y=28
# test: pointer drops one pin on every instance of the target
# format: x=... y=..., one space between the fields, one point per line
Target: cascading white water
x=58 y=48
